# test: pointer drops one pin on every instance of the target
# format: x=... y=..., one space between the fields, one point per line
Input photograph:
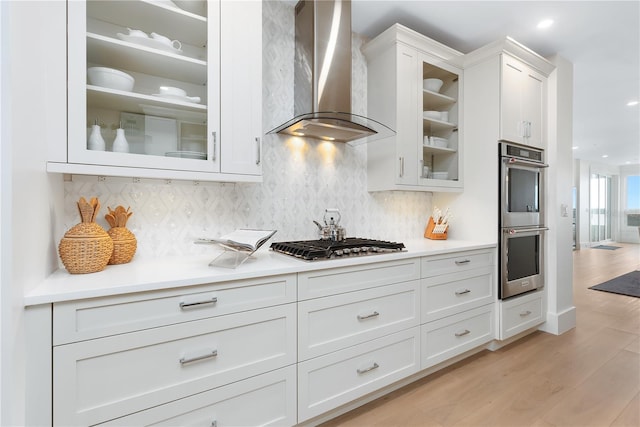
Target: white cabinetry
x=359 y=336
x=117 y=356
x=458 y=298
x=215 y=133
x=521 y=313
x=522 y=103
x=426 y=152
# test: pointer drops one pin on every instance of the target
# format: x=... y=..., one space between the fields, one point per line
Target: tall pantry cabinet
x=210 y=131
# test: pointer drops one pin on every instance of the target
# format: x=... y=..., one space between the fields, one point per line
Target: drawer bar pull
x=208 y=355
x=370 y=368
x=525 y=313
x=184 y=305
x=463 y=333
x=463 y=291
x=368 y=316
x=463 y=262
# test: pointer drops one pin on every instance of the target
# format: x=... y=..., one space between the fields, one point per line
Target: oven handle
x=523 y=230
x=514 y=161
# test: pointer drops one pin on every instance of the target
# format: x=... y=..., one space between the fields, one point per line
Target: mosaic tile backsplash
x=300 y=177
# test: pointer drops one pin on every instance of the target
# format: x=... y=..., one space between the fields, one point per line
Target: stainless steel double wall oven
x=522 y=227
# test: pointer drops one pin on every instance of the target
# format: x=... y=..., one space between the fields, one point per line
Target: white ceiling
x=600 y=38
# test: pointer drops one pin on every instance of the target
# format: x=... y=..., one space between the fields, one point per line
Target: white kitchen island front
x=191 y=339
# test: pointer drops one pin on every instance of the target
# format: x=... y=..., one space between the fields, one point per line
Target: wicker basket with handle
x=86 y=247
x=124 y=241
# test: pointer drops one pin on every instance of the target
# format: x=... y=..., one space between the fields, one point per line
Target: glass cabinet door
x=144 y=84
x=440 y=143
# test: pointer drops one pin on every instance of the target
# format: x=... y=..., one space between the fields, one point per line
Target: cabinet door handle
x=463 y=262
x=463 y=291
x=401 y=166
x=215 y=143
x=368 y=316
x=370 y=368
x=208 y=354
x=463 y=333
x=184 y=305
x=258 y=154
x=525 y=313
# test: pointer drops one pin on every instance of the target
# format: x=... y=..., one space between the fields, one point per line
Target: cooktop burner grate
x=311 y=250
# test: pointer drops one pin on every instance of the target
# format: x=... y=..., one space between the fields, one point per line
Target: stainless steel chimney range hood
x=322 y=77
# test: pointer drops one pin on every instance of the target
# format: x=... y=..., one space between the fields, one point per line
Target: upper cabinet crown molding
x=400 y=33
x=515 y=49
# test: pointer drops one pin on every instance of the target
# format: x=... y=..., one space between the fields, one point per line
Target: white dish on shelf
x=439 y=142
x=432 y=115
x=150 y=42
x=187 y=154
x=432 y=85
x=440 y=175
x=110 y=78
x=191 y=99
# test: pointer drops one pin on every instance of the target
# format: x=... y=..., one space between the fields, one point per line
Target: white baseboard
x=559 y=323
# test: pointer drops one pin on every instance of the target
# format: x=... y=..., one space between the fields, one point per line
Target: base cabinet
x=280 y=350
x=521 y=313
x=268 y=396
x=329 y=381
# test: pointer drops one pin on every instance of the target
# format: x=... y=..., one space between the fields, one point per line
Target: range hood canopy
x=322 y=77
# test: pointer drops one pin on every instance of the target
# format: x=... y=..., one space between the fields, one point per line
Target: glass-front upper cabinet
x=145 y=91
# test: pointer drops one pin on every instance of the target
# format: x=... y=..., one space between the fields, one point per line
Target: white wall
x=31 y=199
x=559 y=239
x=5 y=176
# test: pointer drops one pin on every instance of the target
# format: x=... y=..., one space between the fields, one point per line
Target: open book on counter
x=245 y=240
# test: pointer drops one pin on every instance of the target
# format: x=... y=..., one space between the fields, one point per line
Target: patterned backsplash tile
x=300 y=177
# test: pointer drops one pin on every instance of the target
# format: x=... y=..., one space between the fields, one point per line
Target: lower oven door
x=521 y=260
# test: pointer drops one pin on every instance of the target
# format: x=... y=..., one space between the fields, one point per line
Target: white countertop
x=173 y=272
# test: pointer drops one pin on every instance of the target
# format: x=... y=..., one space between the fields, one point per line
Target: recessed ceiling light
x=545 y=23
x=575 y=147
x=604 y=156
x=632 y=103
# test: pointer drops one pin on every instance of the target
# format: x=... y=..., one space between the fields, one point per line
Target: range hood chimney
x=322 y=79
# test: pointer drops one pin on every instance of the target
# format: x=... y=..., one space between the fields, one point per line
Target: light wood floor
x=589 y=376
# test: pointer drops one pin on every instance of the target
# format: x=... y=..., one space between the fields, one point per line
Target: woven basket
x=124 y=245
x=85 y=248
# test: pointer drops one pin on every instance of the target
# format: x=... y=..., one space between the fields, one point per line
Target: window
x=633 y=192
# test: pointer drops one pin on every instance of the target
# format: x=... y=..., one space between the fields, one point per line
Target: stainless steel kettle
x=331 y=229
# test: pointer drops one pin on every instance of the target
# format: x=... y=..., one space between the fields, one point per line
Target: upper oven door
x=521 y=193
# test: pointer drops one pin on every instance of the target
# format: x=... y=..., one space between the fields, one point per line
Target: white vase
x=120 y=144
x=96 y=142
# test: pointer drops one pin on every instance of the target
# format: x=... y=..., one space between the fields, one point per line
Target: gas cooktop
x=313 y=250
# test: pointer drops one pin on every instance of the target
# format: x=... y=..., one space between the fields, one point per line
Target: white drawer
x=331 y=323
x=453 y=262
x=520 y=313
x=93 y=318
x=329 y=381
x=448 y=337
x=313 y=284
x=266 y=400
x=454 y=293
x=99 y=380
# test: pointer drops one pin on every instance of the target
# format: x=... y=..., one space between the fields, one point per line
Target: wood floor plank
x=588 y=376
x=630 y=416
x=602 y=397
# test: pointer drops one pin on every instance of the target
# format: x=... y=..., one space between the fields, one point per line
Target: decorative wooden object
x=124 y=241
x=436 y=231
x=86 y=247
